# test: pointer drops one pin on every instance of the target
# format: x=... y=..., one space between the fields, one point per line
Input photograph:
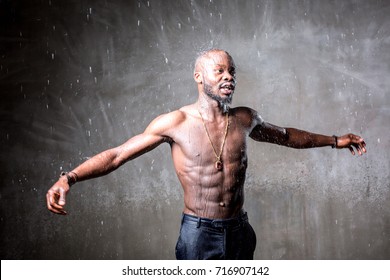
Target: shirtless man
x=209 y=150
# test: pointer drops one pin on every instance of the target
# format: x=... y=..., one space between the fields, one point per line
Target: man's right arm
x=109 y=160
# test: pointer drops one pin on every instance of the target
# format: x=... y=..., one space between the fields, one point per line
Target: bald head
x=210 y=55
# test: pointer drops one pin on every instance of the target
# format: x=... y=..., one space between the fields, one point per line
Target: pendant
x=218 y=165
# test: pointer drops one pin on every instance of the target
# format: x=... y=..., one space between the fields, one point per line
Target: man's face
x=219 y=77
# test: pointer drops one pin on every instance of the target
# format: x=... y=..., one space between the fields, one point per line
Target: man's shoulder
x=187 y=113
x=242 y=110
x=246 y=115
x=176 y=117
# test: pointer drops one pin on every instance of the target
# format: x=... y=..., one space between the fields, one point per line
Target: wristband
x=71 y=179
x=335 y=141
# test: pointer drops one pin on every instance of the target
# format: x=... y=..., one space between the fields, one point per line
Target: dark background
x=78 y=77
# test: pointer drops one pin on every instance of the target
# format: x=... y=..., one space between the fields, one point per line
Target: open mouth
x=227 y=88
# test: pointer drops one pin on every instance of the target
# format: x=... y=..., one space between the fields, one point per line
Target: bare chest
x=206 y=144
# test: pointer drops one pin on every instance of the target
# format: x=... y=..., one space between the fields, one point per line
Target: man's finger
x=57 y=211
x=363 y=147
x=52 y=205
x=62 y=200
x=50 y=199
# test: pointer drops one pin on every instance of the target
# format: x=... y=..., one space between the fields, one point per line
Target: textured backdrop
x=78 y=77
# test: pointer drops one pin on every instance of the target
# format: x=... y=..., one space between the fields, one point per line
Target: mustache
x=230 y=85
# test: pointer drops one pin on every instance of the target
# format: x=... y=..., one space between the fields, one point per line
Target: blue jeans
x=219 y=239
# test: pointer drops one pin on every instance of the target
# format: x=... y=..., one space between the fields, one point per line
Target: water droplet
x=139 y=22
x=90 y=69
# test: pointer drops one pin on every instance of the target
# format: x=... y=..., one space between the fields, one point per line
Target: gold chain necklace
x=218 y=162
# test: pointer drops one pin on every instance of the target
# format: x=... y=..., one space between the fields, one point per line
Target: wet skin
x=208 y=192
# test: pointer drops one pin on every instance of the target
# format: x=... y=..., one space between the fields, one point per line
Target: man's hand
x=351 y=141
x=55 y=197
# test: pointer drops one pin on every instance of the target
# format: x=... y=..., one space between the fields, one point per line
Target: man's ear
x=198 y=77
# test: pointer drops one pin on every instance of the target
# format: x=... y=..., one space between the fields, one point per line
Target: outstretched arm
x=300 y=139
x=107 y=162
x=303 y=139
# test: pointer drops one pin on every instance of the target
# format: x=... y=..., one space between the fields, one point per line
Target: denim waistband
x=216 y=223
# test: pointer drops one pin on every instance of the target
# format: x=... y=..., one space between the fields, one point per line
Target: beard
x=223 y=102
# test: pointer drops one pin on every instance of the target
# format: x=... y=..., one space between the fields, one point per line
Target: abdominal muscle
x=210 y=193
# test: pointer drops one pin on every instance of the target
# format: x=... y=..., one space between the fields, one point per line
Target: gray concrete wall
x=78 y=77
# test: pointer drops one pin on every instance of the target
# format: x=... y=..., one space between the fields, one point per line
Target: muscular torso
x=209 y=192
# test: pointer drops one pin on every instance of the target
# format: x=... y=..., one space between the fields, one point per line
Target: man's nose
x=229 y=77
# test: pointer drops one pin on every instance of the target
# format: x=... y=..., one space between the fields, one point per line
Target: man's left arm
x=300 y=139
